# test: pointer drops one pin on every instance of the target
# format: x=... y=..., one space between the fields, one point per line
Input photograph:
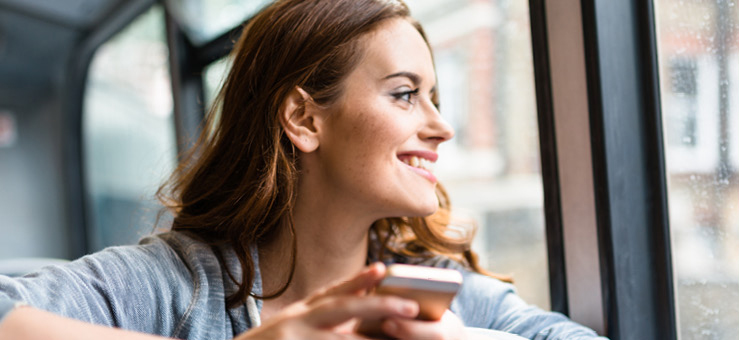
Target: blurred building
x=482 y=51
x=699 y=70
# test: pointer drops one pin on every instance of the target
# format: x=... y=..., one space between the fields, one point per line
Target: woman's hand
x=450 y=327
x=331 y=313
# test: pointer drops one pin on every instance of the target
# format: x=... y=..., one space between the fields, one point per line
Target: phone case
x=433 y=289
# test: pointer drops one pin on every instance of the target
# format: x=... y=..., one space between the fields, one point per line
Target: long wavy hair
x=237 y=187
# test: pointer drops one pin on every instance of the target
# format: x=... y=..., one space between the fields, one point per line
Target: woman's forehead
x=396 y=47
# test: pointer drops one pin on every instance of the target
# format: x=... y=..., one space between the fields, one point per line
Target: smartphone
x=433 y=289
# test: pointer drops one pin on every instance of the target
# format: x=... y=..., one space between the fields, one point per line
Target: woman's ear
x=298 y=116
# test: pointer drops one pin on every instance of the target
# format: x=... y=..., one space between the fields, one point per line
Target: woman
x=317 y=165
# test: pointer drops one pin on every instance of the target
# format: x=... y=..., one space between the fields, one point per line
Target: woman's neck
x=331 y=246
x=331 y=230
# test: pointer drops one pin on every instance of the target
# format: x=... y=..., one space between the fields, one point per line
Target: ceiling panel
x=80 y=14
x=32 y=58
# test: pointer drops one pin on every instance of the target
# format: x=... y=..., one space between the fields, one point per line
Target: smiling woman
x=314 y=175
x=369 y=143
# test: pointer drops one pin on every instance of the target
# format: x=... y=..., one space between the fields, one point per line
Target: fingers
x=449 y=327
x=365 y=280
x=292 y=330
x=411 y=329
x=329 y=335
x=357 y=285
x=333 y=311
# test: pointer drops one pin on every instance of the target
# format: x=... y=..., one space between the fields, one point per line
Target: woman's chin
x=414 y=206
x=427 y=209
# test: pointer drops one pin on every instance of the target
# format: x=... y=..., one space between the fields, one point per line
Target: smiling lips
x=420 y=162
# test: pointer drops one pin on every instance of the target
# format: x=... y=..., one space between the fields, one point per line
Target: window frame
x=549 y=159
x=628 y=183
x=187 y=66
x=626 y=121
x=78 y=216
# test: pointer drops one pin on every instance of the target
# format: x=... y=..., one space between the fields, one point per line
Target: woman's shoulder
x=171 y=266
x=124 y=286
x=200 y=262
x=183 y=247
x=168 y=250
x=158 y=286
x=160 y=263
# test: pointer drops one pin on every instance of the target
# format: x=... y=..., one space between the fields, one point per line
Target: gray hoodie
x=175 y=286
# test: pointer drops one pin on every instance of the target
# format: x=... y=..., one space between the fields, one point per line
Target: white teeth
x=418 y=162
x=415 y=162
x=427 y=164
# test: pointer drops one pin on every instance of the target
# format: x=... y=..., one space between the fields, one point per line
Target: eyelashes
x=410 y=96
x=407 y=96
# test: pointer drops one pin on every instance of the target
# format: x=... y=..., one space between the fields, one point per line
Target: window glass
x=699 y=72
x=491 y=168
x=204 y=20
x=128 y=130
x=214 y=76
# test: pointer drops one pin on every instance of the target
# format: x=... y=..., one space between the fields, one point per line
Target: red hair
x=237 y=186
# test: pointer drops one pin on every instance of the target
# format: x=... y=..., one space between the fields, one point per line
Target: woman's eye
x=406 y=96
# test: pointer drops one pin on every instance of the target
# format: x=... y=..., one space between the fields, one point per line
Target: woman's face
x=380 y=138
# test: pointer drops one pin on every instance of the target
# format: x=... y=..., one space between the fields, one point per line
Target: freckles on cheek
x=363 y=133
x=366 y=143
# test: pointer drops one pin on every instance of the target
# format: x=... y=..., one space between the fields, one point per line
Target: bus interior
x=596 y=147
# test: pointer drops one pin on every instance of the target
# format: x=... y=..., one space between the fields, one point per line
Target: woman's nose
x=437 y=128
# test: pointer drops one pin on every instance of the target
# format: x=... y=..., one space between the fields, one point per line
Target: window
x=491 y=168
x=213 y=77
x=699 y=61
x=205 y=20
x=128 y=131
x=681 y=123
x=8 y=130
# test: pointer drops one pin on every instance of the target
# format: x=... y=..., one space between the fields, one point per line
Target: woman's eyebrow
x=416 y=79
